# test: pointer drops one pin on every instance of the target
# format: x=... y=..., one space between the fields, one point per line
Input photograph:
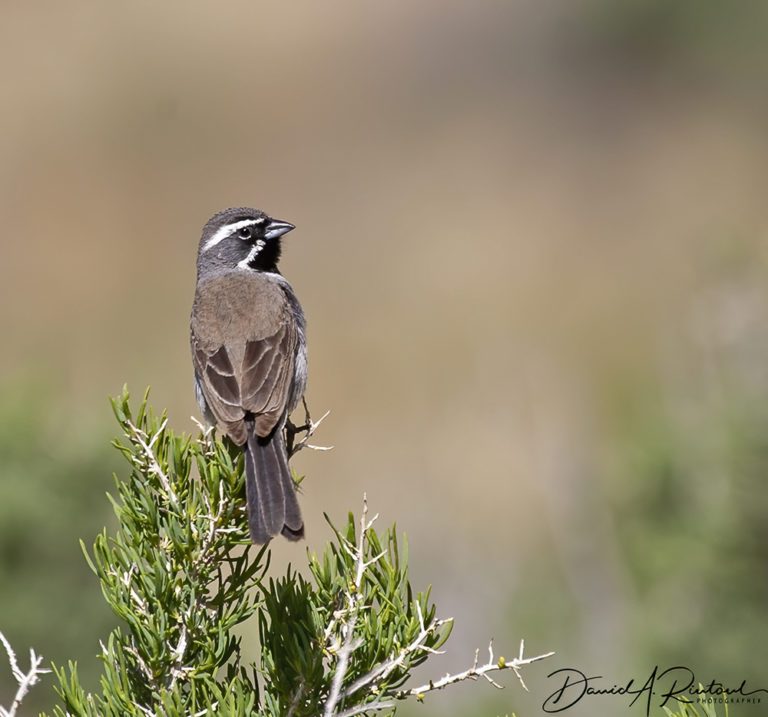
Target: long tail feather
x=270 y=489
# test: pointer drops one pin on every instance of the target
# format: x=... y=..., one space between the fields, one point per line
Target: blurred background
x=531 y=245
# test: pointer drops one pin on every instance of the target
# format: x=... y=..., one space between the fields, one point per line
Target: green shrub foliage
x=180 y=574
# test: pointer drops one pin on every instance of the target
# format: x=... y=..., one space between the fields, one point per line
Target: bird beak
x=277 y=228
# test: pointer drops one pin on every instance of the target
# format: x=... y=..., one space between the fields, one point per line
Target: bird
x=248 y=340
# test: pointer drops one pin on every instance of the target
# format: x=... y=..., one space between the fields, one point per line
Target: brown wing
x=248 y=377
x=267 y=373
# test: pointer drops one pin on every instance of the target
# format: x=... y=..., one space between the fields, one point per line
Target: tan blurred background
x=531 y=245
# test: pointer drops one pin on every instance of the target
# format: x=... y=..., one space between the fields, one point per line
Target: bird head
x=241 y=238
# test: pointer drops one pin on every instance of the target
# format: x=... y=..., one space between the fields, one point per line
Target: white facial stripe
x=255 y=249
x=229 y=229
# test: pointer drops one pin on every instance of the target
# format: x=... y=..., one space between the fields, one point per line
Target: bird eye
x=244 y=233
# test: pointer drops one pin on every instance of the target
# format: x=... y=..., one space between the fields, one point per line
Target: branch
x=383 y=670
x=25 y=681
x=354 y=604
x=360 y=709
x=152 y=464
x=310 y=427
x=477 y=671
x=296 y=698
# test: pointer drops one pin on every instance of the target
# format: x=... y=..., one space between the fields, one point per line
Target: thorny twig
x=206 y=437
x=25 y=681
x=360 y=709
x=354 y=605
x=382 y=671
x=309 y=427
x=296 y=698
x=478 y=671
x=153 y=465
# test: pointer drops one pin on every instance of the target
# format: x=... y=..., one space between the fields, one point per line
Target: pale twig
x=354 y=604
x=177 y=670
x=206 y=437
x=477 y=671
x=382 y=671
x=207 y=711
x=25 y=681
x=207 y=555
x=142 y=665
x=310 y=427
x=215 y=528
x=296 y=699
x=127 y=580
x=153 y=465
x=360 y=709
x=348 y=645
x=148 y=711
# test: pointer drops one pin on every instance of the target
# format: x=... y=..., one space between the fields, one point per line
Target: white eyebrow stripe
x=228 y=230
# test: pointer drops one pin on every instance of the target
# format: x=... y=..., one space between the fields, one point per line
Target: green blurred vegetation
x=690 y=507
x=714 y=34
x=52 y=494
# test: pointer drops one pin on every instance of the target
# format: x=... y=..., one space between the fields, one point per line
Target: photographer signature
x=676 y=684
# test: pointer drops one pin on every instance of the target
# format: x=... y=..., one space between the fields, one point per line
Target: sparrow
x=250 y=358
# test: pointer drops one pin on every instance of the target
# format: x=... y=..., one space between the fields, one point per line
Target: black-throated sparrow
x=250 y=358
